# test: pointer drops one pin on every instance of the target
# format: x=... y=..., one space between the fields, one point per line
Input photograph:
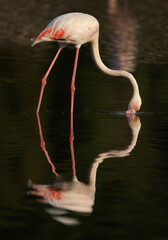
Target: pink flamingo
x=77 y=29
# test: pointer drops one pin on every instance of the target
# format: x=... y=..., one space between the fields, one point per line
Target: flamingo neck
x=106 y=70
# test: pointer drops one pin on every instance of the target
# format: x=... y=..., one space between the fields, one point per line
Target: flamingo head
x=134 y=105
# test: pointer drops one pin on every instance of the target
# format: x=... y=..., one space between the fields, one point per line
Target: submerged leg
x=45 y=78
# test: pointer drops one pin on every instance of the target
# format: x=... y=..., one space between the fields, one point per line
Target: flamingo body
x=71 y=28
x=77 y=29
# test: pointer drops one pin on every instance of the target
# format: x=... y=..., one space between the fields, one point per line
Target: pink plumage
x=71 y=28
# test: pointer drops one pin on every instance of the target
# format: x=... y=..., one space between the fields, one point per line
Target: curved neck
x=106 y=70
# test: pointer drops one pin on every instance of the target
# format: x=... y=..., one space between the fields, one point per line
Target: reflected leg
x=44 y=147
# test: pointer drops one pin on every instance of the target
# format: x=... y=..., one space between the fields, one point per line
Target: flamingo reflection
x=74 y=195
x=123 y=31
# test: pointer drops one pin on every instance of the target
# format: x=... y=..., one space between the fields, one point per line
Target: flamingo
x=77 y=29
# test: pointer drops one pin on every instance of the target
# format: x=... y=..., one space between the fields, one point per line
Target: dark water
x=121 y=163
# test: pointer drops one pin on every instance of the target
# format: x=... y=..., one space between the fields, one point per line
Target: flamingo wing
x=74 y=28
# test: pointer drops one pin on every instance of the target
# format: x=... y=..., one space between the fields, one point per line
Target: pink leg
x=72 y=105
x=72 y=154
x=73 y=80
x=44 y=80
x=72 y=148
x=72 y=95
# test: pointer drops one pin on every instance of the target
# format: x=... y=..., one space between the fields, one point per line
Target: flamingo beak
x=131 y=112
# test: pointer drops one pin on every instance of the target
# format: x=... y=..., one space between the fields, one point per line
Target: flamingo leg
x=44 y=80
x=73 y=80
x=72 y=149
x=72 y=106
x=72 y=94
x=71 y=140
